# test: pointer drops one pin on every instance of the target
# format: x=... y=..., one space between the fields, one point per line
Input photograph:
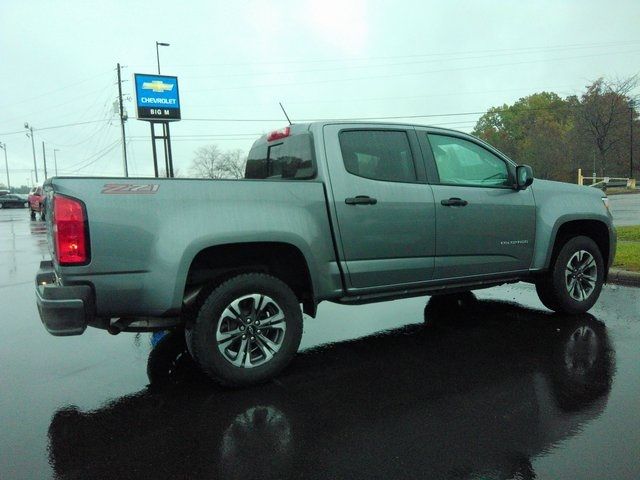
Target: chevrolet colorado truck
x=351 y=213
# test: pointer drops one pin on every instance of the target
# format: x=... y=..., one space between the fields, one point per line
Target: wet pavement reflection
x=477 y=386
x=476 y=399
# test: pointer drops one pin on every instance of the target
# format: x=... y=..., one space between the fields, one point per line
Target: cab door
x=484 y=226
x=382 y=206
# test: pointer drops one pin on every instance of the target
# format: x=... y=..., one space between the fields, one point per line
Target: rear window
x=291 y=159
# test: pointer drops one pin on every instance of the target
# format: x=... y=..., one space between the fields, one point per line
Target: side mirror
x=524 y=177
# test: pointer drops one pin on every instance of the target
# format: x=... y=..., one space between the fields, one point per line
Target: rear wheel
x=575 y=280
x=247 y=330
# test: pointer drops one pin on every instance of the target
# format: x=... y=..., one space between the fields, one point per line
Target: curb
x=623 y=277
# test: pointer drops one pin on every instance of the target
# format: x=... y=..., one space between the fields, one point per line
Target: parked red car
x=36 y=202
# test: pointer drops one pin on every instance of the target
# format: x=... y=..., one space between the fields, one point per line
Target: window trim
x=418 y=167
x=431 y=161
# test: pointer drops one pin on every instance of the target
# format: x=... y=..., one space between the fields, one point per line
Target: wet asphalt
x=491 y=386
x=626 y=209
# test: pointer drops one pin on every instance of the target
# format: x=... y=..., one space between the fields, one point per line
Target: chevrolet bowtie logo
x=158 y=86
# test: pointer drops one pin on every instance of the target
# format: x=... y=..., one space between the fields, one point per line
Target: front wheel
x=575 y=280
x=247 y=330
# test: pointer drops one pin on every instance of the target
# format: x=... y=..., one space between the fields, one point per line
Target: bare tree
x=233 y=164
x=211 y=162
x=604 y=111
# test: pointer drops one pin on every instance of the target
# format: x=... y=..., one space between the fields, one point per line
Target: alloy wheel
x=581 y=275
x=251 y=330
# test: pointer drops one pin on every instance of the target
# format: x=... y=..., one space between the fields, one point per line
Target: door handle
x=454 y=202
x=360 y=200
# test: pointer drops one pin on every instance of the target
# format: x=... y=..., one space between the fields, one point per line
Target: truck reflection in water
x=476 y=392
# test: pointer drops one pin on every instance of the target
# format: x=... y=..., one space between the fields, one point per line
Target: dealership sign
x=157 y=97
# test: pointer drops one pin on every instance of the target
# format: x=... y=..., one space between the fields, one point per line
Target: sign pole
x=158 y=102
x=170 y=159
x=164 y=146
x=153 y=146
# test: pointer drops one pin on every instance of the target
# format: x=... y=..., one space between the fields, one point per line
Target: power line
x=342 y=68
x=379 y=117
x=52 y=127
x=97 y=155
x=429 y=54
x=201 y=135
x=406 y=74
x=376 y=99
x=49 y=92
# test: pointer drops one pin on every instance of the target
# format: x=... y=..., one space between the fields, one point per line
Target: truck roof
x=298 y=128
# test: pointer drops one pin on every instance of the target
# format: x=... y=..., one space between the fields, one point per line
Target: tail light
x=279 y=134
x=70 y=231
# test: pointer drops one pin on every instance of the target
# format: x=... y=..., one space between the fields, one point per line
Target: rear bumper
x=64 y=310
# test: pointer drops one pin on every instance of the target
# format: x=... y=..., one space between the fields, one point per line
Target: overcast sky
x=236 y=60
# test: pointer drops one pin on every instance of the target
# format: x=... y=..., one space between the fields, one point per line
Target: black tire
x=169 y=361
x=544 y=288
x=208 y=323
x=553 y=288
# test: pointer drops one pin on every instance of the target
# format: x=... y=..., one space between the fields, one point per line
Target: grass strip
x=628 y=256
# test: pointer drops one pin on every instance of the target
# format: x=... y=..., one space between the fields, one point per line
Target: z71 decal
x=129 y=189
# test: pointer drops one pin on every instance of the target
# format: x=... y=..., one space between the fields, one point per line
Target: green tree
x=556 y=135
x=534 y=130
x=607 y=108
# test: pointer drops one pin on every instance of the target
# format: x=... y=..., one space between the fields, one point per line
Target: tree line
x=596 y=131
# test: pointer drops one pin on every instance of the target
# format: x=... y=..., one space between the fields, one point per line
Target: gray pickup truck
x=346 y=212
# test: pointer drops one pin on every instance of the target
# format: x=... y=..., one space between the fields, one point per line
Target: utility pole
x=55 y=159
x=631 y=111
x=124 y=139
x=44 y=156
x=3 y=146
x=33 y=148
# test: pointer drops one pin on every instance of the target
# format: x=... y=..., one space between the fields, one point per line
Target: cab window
x=378 y=155
x=461 y=162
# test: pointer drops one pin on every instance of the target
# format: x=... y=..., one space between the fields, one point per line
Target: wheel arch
x=215 y=264
x=596 y=230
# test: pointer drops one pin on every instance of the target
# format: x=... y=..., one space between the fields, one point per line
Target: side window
x=291 y=159
x=461 y=162
x=378 y=154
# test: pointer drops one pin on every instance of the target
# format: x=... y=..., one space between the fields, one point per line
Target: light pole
x=160 y=44
x=3 y=146
x=168 y=161
x=55 y=159
x=33 y=147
